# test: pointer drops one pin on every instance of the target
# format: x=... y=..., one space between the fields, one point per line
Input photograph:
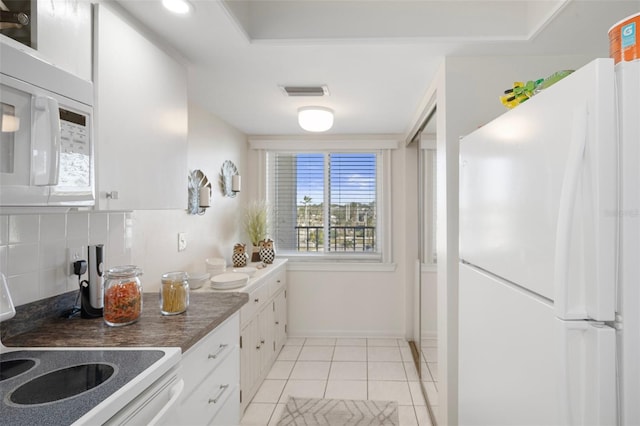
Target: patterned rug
x=339 y=412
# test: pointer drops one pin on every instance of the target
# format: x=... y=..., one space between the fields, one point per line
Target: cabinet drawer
x=207 y=354
x=211 y=395
x=257 y=298
x=229 y=413
x=277 y=282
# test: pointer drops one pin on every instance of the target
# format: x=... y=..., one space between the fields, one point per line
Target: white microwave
x=46 y=142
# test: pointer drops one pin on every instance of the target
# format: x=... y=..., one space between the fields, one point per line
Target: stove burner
x=61 y=384
x=15 y=367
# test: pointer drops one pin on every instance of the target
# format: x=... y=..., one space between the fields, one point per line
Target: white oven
x=46 y=145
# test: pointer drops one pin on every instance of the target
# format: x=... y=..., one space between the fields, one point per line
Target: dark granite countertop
x=206 y=311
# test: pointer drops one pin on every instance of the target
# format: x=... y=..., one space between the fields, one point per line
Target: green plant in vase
x=255 y=225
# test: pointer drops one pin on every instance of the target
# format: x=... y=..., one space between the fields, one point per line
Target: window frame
x=382 y=148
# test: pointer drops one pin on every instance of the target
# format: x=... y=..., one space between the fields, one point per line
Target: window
x=326 y=204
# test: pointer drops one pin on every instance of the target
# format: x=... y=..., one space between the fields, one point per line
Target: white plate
x=227 y=286
x=249 y=270
x=229 y=280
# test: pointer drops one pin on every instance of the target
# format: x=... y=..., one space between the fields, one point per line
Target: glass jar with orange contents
x=122 y=295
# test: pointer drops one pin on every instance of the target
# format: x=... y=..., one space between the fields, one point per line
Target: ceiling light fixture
x=315 y=118
x=181 y=7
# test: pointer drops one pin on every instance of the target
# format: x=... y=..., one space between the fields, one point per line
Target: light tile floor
x=375 y=369
x=429 y=366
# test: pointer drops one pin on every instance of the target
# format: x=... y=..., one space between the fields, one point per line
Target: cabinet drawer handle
x=223 y=388
x=256 y=300
x=222 y=347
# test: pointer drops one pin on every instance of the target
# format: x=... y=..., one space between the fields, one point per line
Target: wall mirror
x=426 y=335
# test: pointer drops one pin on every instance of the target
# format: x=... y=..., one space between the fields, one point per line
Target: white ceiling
x=378 y=58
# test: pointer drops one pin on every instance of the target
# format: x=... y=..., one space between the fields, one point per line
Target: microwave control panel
x=74 y=133
x=75 y=150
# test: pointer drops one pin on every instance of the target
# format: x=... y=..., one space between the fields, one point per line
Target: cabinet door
x=64 y=35
x=249 y=360
x=280 y=314
x=267 y=335
x=141 y=119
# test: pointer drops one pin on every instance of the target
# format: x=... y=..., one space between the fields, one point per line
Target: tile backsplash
x=33 y=249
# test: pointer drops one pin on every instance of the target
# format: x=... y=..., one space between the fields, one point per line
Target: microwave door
x=16 y=186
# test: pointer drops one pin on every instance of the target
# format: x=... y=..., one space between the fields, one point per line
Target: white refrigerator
x=549 y=296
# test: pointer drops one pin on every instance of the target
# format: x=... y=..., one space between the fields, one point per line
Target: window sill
x=331 y=265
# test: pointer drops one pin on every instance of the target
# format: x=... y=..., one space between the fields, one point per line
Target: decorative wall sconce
x=229 y=179
x=199 y=192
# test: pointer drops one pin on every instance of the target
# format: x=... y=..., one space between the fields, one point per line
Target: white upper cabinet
x=57 y=31
x=64 y=35
x=141 y=119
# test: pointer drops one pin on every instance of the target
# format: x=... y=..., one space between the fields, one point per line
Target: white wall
x=346 y=303
x=429 y=302
x=213 y=234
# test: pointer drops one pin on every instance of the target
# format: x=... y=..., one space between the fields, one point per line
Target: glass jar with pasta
x=174 y=293
x=122 y=295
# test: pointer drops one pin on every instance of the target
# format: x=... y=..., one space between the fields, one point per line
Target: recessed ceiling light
x=181 y=7
x=315 y=118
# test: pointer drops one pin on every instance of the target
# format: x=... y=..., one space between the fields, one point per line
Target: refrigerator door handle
x=587 y=373
x=566 y=206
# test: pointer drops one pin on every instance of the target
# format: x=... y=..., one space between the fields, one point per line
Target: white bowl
x=229 y=280
x=249 y=270
x=198 y=280
x=216 y=265
x=216 y=270
x=216 y=262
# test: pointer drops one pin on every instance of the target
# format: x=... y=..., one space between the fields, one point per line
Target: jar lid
x=175 y=276
x=124 y=271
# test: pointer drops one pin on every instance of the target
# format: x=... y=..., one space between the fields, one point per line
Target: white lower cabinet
x=211 y=371
x=263 y=332
x=280 y=318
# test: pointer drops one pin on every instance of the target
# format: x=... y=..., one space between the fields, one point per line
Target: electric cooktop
x=60 y=386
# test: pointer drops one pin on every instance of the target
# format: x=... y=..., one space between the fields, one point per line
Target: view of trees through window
x=335 y=201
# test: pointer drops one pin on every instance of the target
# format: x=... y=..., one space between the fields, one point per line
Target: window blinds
x=324 y=201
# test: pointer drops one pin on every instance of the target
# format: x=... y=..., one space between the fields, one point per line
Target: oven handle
x=175 y=392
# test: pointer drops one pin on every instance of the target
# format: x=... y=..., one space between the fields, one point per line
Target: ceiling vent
x=305 y=90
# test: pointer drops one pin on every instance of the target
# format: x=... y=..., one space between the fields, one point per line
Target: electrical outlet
x=182 y=241
x=73 y=254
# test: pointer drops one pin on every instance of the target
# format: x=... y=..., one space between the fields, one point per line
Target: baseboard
x=343 y=335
